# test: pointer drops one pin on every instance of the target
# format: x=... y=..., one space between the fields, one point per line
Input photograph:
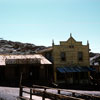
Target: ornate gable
x=71 y=40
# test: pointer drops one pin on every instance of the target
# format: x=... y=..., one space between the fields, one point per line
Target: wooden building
x=34 y=69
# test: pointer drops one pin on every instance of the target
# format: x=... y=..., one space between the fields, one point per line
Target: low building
x=34 y=69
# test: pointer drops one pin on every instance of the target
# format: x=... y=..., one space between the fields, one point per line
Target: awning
x=74 y=69
x=61 y=70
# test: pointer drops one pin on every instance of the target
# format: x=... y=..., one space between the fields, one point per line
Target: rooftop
x=23 y=59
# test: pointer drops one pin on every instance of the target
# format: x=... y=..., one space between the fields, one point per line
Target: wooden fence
x=35 y=90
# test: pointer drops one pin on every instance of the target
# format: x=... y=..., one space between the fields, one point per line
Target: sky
x=40 y=21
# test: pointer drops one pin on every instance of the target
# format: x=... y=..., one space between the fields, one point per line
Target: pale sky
x=40 y=21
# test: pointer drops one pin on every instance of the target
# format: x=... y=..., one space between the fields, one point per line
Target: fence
x=53 y=96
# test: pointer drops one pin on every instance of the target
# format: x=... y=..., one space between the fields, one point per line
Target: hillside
x=10 y=47
x=94 y=58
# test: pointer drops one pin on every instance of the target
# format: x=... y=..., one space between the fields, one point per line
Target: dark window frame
x=71 y=46
x=63 y=56
x=80 y=56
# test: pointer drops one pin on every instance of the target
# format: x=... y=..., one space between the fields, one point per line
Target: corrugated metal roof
x=23 y=59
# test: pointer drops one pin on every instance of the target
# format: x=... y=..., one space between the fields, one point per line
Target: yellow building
x=71 y=62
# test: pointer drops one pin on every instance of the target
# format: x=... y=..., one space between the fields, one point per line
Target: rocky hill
x=94 y=58
x=10 y=47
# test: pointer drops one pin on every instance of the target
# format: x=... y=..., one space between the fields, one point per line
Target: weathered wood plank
x=59 y=91
x=44 y=94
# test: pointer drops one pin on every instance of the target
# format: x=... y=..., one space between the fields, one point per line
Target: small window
x=71 y=46
x=80 y=56
x=63 y=56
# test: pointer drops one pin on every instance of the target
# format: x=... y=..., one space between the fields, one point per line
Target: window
x=80 y=56
x=63 y=56
x=71 y=46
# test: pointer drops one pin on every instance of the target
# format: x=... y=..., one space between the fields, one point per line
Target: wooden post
x=33 y=91
x=43 y=97
x=73 y=94
x=55 y=97
x=44 y=89
x=30 y=94
x=20 y=86
x=58 y=91
x=21 y=91
x=20 y=82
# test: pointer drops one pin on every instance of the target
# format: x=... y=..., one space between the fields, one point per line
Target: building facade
x=71 y=62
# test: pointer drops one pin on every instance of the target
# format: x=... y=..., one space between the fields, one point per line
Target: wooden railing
x=36 y=90
x=73 y=94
